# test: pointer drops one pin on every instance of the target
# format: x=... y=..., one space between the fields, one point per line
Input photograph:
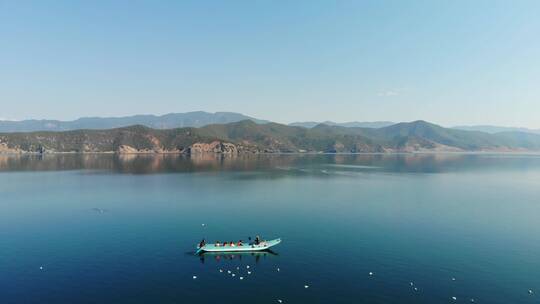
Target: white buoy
x=306 y=286
x=453 y=279
x=241 y=278
x=194 y=277
x=249 y=272
x=233 y=275
x=203 y=225
x=221 y=270
x=472 y=300
x=247 y=267
x=530 y=291
x=454 y=298
x=415 y=289
x=280 y=301
x=411 y=283
x=237 y=268
x=40 y=267
x=228 y=271
x=278 y=269
x=370 y=273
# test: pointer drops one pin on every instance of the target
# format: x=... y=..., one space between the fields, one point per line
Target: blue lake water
x=122 y=229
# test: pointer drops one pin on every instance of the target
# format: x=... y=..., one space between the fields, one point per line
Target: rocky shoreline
x=217 y=147
x=229 y=149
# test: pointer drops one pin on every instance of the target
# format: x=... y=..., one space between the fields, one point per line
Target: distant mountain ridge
x=381 y=124
x=249 y=137
x=199 y=119
x=167 y=121
x=496 y=129
x=351 y=124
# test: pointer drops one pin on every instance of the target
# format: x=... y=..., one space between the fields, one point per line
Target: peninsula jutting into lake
x=247 y=136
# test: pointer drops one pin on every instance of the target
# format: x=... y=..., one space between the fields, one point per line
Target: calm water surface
x=110 y=229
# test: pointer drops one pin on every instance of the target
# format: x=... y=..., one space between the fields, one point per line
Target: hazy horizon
x=450 y=63
x=271 y=120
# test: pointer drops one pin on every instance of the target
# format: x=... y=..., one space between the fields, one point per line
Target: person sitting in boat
x=232 y=244
x=218 y=244
x=240 y=243
x=202 y=243
x=257 y=240
x=225 y=244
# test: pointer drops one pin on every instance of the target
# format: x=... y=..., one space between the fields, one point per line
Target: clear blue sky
x=449 y=62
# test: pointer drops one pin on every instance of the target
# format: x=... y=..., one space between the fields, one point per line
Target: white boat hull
x=264 y=245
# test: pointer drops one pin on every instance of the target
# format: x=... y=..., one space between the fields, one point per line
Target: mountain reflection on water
x=219 y=257
x=107 y=228
x=278 y=164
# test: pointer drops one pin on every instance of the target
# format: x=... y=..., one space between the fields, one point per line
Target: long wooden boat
x=263 y=245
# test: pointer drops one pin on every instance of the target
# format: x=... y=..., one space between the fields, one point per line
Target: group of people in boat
x=257 y=241
x=231 y=244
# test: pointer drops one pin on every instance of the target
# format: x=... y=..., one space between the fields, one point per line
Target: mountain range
x=167 y=121
x=198 y=119
x=246 y=136
x=381 y=124
x=496 y=129
x=351 y=124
